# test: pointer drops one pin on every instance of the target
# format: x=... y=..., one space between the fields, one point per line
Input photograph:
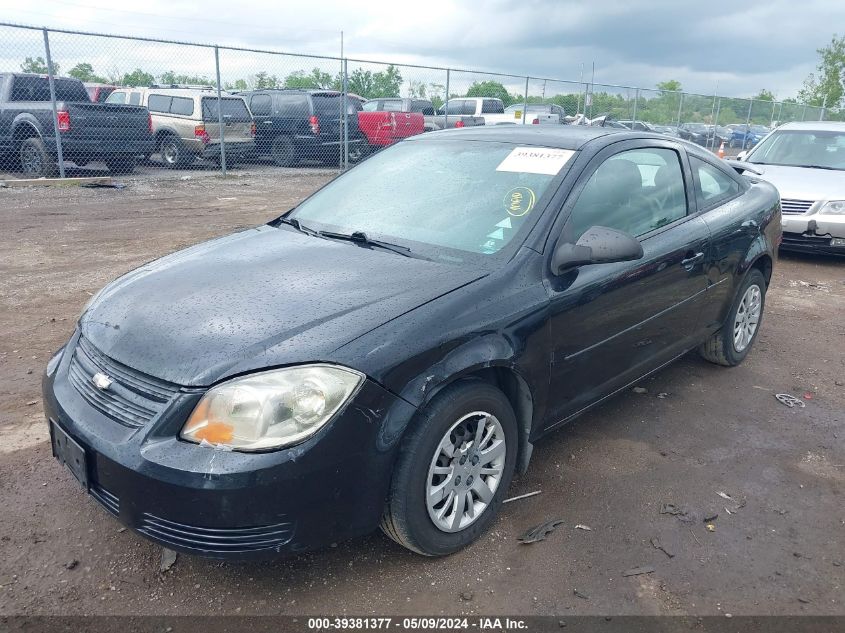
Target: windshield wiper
x=298 y=226
x=359 y=237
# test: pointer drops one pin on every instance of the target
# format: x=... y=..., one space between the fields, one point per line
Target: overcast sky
x=741 y=46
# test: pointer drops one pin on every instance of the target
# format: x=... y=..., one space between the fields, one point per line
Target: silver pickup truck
x=433 y=121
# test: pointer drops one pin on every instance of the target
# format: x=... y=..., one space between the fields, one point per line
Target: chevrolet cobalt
x=388 y=352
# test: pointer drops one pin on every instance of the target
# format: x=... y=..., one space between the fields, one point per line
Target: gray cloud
x=741 y=46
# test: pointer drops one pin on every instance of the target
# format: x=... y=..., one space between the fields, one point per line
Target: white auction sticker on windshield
x=535 y=160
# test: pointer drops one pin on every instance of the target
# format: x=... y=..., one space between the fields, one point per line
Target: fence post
x=824 y=106
x=345 y=139
x=525 y=102
x=680 y=107
x=716 y=121
x=803 y=111
x=220 y=112
x=446 y=103
x=772 y=120
x=636 y=102
x=53 y=100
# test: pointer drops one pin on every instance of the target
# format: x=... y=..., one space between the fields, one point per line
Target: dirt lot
x=778 y=545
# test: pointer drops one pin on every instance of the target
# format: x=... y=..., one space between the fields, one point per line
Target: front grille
x=216 y=540
x=132 y=399
x=795 y=206
x=109 y=501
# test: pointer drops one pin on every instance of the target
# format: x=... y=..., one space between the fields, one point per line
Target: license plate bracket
x=69 y=453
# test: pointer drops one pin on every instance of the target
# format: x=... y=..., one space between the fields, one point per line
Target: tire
x=35 y=161
x=173 y=153
x=121 y=163
x=283 y=151
x=723 y=347
x=453 y=414
x=357 y=152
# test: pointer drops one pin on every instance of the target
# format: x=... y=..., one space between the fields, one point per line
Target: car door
x=716 y=196
x=612 y=323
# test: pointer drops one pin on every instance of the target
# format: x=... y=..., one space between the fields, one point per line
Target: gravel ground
x=778 y=544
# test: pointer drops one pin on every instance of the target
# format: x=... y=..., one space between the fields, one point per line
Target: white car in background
x=536 y=114
x=490 y=109
x=806 y=162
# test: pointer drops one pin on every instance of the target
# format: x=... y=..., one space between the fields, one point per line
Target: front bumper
x=814 y=233
x=225 y=504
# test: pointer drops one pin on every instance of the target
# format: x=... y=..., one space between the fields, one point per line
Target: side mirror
x=598 y=245
x=742 y=155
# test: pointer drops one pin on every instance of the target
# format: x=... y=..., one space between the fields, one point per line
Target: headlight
x=833 y=207
x=271 y=409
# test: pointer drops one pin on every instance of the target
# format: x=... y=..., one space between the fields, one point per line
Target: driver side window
x=635 y=191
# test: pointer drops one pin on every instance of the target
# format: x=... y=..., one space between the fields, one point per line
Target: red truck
x=385 y=128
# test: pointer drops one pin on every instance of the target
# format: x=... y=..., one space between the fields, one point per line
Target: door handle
x=691 y=260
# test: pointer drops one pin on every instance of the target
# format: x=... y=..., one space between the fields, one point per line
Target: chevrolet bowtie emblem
x=101 y=381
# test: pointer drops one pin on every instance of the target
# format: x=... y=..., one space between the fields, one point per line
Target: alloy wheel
x=465 y=471
x=747 y=317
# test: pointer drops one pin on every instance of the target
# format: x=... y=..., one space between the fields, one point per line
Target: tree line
x=825 y=87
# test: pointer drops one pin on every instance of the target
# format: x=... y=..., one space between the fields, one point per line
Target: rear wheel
x=283 y=151
x=731 y=344
x=35 y=160
x=357 y=152
x=121 y=163
x=173 y=153
x=453 y=471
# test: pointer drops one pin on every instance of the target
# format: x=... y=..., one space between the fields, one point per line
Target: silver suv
x=186 y=124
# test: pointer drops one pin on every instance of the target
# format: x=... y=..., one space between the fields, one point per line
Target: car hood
x=260 y=298
x=801 y=183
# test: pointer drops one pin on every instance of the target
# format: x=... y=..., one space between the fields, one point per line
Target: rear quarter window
x=712 y=185
x=293 y=105
x=182 y=105
x=234 y=109
x=492 y=106
x=158 y=103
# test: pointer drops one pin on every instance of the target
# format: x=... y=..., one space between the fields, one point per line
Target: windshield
x=447 y=200
x=802 y=148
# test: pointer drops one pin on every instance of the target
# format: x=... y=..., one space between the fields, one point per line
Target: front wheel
x=453 y=470
x=731 y=344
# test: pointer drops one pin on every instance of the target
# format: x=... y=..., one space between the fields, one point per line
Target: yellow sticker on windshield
x=519 y=201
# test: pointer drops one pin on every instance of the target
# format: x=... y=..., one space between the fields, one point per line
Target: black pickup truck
x=115 y=134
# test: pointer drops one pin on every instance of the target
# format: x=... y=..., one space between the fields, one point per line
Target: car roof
x=821 y=126
x=563 y=136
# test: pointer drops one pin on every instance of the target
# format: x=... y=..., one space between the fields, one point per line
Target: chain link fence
x=72 y=103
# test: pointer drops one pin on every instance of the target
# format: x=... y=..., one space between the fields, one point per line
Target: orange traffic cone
x=721 y=152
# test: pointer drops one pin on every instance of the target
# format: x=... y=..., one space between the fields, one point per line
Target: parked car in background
x=536 y=113
x=694 y=132
x=297 y=125
x=667 y=130
x=383 y=127
x=389 y=352
x=806 y=162
x=186 y=125
x=718 y=134
x=115 y=134
x=432 y=120
x=492 y=111
x=746 y=136
x=638 y=126
x=99 y=92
